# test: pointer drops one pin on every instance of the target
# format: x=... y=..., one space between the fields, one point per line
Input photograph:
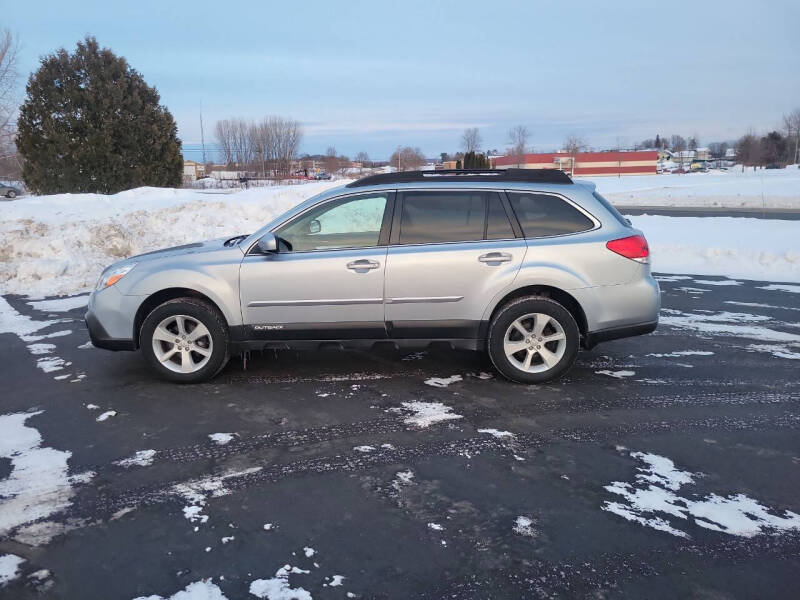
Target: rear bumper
x=591 y=339
x=100 y=337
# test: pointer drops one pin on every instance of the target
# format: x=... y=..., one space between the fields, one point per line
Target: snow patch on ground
x=142 y=458
x=39 y=484
x=221 y=438
x=364 y=448
x=106 y=415
x=9 y=568
x=443 y=381
x=199 y=590
x=425 y=414
x=678 y=353
x=197 y=492
x=502 y=435
x=740 y=325
x=721 y=282
x=792 y=289
x=278 y=587
x=524 y=526
x=60 y=304
x=617 y=374
x=652 y=500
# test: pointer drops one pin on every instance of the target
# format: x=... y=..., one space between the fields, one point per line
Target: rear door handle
x=363 y=265
x=495 y=257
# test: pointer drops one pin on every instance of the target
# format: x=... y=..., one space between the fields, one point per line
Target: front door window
x=352 y=222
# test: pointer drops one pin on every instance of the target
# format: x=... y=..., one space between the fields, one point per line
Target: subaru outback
x=525 y=265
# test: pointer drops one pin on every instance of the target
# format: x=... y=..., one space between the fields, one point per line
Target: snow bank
x=59 y=244
x=778 y=188
x=759 y=249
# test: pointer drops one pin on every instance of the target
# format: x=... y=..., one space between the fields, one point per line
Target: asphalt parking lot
x=662 y=466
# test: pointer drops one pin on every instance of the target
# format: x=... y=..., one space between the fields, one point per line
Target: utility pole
x=202 y=137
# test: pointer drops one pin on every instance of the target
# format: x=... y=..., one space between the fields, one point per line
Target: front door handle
x=363 y=265
x=495 y=257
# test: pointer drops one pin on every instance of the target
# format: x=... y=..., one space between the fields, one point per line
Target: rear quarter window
x=610 y=208
x=544 y=215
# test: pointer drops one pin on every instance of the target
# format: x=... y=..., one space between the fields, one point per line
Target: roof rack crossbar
x=451 y=175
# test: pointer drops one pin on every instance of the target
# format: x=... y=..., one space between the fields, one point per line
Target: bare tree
x=406 y=158
x=791 y=123
x=287 y=134
x=223 y=131
x=471 y=140
x=10 y=166
x=363 y=158
x=574 y=145
x=518 y=139
x=331 y=161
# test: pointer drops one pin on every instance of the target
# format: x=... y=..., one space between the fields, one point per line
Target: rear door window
x=545 y=215
x=431 y=217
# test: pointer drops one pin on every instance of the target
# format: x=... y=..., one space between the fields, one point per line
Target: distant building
x=193 y=170
x=640 y=162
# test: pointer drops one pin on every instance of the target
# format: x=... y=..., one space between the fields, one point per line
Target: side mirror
x=267 y=244
x=314 y=226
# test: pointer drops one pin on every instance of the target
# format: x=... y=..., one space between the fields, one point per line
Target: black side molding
x=591 y=339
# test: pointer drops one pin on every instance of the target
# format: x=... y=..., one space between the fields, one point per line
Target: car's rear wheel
x=11 y=194
x=533 y=340
x=185 y=340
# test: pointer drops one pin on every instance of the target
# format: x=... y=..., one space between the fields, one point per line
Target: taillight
x=633 y=247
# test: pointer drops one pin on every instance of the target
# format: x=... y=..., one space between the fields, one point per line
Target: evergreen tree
x=91 y=124
x=658 y=142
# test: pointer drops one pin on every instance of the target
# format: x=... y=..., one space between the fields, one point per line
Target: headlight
x=112 y=276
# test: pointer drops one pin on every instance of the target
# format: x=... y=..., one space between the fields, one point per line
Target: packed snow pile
x=59 y=244
x=759 y=249
x=771 y=188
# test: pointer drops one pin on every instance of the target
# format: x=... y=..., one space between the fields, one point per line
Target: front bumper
x=110 y=318
x=100 y=337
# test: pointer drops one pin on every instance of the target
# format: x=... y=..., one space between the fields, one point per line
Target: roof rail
x=466 y=175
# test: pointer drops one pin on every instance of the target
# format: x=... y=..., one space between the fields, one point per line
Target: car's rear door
x=450 y=252
x=327 y=281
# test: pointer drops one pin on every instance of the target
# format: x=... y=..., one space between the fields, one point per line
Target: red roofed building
x=639 y=162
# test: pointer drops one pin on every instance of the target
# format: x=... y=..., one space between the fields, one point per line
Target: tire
x=546 y=360
x=200 y=354
x=11 y=194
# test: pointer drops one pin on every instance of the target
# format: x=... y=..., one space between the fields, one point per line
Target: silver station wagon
x=523 y=264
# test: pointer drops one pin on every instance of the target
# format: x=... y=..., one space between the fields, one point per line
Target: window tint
x=498 y=227
x=353 y=222
x=610 y=208
x=542 y=215
x=432 y=217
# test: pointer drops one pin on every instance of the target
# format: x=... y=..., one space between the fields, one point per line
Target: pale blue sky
x=372 y=75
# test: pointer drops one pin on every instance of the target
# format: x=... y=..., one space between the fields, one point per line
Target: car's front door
x=326 y=281
x=450 y=253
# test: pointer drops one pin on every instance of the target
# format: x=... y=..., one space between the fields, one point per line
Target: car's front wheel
x=185 y=340
x=11 y=194
x=533 y=340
